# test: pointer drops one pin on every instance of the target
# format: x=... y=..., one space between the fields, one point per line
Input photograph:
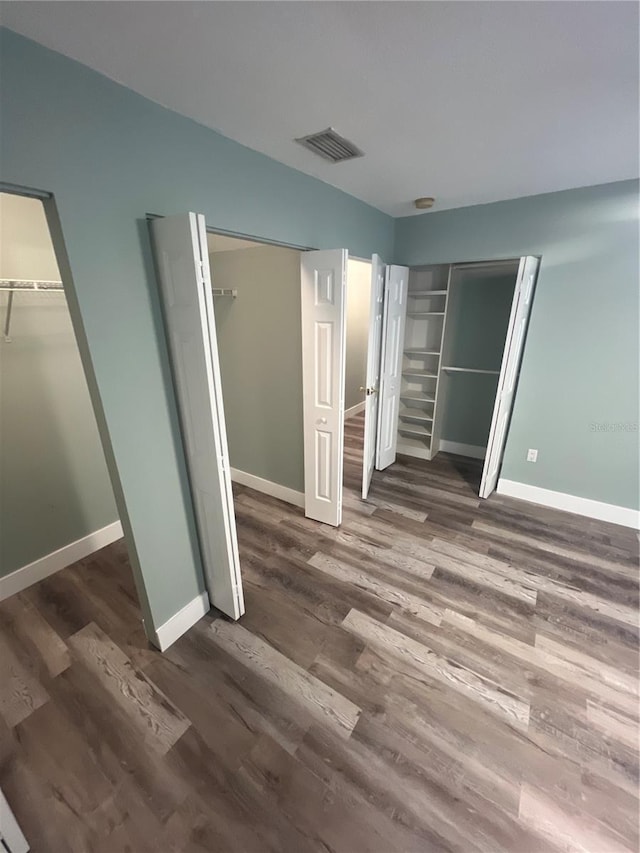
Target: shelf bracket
x=7 y=322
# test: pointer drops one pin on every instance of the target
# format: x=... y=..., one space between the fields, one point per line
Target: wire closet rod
x=13 y=286
x=18 y=286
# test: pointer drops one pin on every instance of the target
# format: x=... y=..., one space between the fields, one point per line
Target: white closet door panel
x=180 y=246
x=395 y=312
x=509 y=371
x=323 y=282
x=11 y=838
x=374 y=351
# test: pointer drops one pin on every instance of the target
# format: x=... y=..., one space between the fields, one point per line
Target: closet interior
x=256 y=289
x=457 y=316
x=55 y=489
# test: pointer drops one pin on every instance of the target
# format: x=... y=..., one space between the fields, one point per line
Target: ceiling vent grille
x=330 y=145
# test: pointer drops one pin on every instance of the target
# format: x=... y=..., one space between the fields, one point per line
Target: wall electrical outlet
x=532 y=455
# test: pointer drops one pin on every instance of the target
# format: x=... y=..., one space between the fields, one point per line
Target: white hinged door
x=323 y=283
x=509 y=370
x=180 y=244
x=374 y=348
x=395 y=313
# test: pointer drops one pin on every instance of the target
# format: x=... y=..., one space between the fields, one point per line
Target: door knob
x=369 y=391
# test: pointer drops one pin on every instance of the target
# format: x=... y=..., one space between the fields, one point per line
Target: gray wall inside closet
x=478 y=315
x=260 y=349
x=54 y=483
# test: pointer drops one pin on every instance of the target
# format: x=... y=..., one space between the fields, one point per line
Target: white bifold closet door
x=180 y=244
x=323 y=285
x=11 y=838
x=511 y=358
x=395 y=309
x=374 y=351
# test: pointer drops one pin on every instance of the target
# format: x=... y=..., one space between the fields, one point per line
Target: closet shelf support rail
x=7 y=322
x=449 y=369
x=13 y=286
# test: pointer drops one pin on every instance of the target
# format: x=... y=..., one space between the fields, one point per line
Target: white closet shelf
x=425 y=313
x=416 y=415
x=422 y=352
x=414 y=398
x=412 y=445
x=471 y=370
x=420 y=374
x=414 y=429
x=420 y=294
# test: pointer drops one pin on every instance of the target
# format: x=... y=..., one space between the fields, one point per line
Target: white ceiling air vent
x=330 y=145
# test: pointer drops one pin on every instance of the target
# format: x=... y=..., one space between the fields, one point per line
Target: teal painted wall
x=469 y=406
x=580 y=366
x=110 y=156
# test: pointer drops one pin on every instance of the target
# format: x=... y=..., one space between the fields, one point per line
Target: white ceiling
x=468 y=102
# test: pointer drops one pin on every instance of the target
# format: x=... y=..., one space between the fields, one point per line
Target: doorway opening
x=358 y=327
x=256 y=289
x=256 y=297
x=454 y=375
x=275 y=351
x=56 y=497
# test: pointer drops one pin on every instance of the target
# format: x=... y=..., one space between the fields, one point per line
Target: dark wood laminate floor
x=439 y=674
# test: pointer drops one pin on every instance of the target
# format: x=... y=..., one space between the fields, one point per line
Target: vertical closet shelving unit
x=438 y=352
x=422 y=352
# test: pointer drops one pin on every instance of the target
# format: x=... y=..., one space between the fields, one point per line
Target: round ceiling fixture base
x=424 y=203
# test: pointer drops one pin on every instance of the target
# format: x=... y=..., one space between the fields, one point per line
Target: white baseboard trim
x=267 y=487
x=473 y=450
x=60 y=559
x=355 y=410
x=570 y=503
x=180 y=622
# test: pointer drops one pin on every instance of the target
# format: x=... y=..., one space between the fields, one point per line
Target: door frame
x=477 y=264
x=302 y=249
x=509 y=261
x=241 y=235
x=59 y=248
